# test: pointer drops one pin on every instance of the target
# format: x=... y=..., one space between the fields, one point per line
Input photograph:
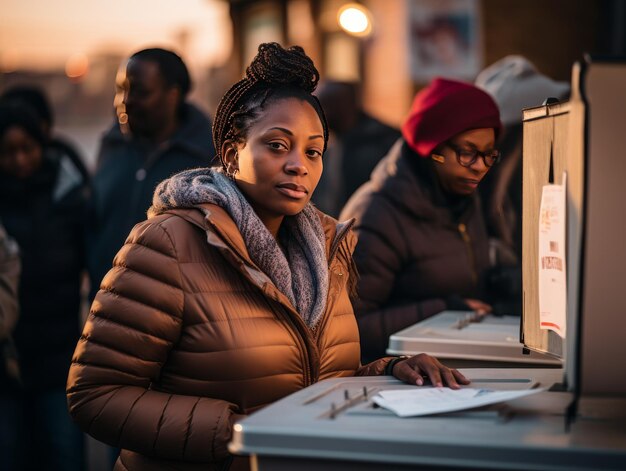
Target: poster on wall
x=445 y=39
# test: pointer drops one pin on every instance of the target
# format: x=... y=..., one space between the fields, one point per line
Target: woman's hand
x=415 y=369
x=479 y=307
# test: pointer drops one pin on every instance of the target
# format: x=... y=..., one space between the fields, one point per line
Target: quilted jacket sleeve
x=134 y=321
x=374 y=368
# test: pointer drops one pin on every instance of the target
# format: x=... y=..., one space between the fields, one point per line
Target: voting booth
x=577 y=146
x=461 y=339
x=334 y=425
x=574 y=275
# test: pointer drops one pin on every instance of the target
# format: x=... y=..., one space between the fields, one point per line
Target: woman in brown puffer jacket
x=234 y=292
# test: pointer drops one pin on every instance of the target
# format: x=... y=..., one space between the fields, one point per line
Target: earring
x=232 y=170
x=438 y=158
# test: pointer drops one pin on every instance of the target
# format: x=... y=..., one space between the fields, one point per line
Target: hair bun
x=275 y=65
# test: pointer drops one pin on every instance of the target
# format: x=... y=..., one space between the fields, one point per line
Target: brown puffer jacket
x=186 y=334
x=416 y=248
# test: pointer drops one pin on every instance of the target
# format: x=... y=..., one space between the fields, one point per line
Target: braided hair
x=274 y=73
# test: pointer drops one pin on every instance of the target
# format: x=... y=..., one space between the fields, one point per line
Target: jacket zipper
x=470 y=252
x=339 y=237
x=298 y=325
x=291 y=320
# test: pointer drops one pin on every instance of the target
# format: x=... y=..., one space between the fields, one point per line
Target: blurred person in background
x=514 y=83
x=35 y=98
x=9 y=371
x=157 y=133
x=43 y=207
x=233 y=293
x=422 y=242
x=10 y=269
x=357 y=143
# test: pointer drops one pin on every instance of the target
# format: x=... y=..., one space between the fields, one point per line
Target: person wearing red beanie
x=423 y=245
x=444 y=109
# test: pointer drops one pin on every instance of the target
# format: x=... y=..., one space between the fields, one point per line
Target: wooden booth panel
x=546 y=130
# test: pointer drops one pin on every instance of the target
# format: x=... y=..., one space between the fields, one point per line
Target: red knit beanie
x=444 y=109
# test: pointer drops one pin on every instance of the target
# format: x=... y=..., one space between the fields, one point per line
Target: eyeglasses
x=467 y=157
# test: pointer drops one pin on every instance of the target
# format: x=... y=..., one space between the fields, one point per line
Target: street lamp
x=355 y=19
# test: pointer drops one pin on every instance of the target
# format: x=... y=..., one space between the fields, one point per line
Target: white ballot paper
x=427 y=401
x=552 y=274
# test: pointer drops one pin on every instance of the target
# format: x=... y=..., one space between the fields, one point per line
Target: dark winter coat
x=350 y=161
x=417 y=250
x=127 y=174
x=45 y=214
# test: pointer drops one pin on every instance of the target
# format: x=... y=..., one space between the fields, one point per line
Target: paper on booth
x=427 y=401
x=552 y=274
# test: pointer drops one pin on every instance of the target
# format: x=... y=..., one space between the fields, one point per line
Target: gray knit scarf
x=300 y=273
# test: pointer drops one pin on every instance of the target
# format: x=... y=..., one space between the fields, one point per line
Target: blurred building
x=394 y=48
x=410 y=41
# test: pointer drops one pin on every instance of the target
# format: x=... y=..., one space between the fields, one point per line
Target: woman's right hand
x=416 y=369
x=479 y=307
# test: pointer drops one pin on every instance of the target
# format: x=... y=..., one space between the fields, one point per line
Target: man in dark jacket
x=157 y=134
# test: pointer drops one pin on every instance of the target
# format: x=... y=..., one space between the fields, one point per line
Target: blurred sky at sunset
x=42 y=34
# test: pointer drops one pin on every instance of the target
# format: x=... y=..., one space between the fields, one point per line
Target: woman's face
x=20 y=154
x=280 y=164
x=454 y=177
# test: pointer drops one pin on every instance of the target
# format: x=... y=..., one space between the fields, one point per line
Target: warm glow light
x=77 y=66
x=355 y=19
x=43 y=34
x=8 y=61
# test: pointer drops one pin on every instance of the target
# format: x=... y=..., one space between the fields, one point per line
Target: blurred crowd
x=437 y=209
